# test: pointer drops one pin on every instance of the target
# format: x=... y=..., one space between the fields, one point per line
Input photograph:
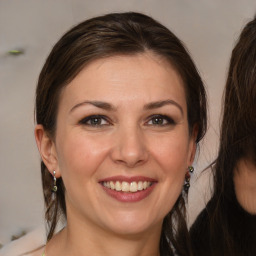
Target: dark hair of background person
x=238 y=130
x=102 y=37
x=237 y=139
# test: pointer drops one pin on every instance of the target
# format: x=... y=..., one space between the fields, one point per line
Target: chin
x=130 y=230
x=132 y=225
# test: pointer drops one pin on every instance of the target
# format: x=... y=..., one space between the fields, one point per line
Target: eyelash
x=166 y=120
x=86 y=120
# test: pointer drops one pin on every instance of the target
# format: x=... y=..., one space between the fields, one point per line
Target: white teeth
x=133 y=187
x=126 y=186
x=145 y=184
x=106 y=184
x=140 y=185
x=112 y=185
x=118 y=186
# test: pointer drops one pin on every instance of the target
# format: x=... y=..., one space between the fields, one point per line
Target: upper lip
x=128 y=179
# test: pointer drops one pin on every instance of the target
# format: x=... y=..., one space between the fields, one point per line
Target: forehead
x=146 y=76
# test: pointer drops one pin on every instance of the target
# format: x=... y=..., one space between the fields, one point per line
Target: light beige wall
x=208 y=28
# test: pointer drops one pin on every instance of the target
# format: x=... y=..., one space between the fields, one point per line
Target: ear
x=47 y=149
x=192 y=145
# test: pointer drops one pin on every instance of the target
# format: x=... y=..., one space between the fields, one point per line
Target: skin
x=245 y=184
x=130 y=141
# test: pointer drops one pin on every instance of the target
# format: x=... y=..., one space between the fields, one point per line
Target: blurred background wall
x=208 y=28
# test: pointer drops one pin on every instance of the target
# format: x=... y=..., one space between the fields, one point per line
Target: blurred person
x=227 y=226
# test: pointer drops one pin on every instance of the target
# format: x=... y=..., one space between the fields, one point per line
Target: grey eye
x=94 y=121
x=157 y=120
x=160 y=120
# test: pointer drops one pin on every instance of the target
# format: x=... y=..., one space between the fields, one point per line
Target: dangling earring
x=187 y=178
x=54 y=188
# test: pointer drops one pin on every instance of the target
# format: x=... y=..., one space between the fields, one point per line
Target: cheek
x=80 y=155
x=172 y=153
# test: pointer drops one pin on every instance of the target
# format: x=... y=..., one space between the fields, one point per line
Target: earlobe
x=47 y=149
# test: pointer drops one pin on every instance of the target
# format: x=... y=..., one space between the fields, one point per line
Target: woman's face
x=122 y=143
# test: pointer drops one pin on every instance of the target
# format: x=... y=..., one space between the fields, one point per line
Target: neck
x=83 y=239
x=245 y=185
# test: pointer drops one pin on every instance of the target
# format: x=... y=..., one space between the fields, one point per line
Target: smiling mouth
x=125 y=186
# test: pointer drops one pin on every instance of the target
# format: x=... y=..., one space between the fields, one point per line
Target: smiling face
x=122 y=144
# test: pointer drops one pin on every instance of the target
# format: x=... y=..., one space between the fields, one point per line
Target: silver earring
x=54 y=188
x=187 y=178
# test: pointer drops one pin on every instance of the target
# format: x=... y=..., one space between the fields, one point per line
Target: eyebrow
x=109 y=107
x=98 y=104
x=159 y=104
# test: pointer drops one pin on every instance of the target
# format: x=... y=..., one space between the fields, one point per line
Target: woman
x=120 y=108
x=227 y=226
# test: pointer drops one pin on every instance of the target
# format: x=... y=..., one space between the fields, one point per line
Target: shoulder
x=14 y=250
x=31 y=244
x=200 y=193
x=201 y=224
x=37 y=252
x=200 y=234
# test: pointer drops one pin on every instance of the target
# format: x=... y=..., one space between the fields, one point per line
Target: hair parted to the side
x=238 y=129
x=116 y=34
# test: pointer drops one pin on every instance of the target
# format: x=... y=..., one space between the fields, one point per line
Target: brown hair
x=238 y=132
x=104 y=36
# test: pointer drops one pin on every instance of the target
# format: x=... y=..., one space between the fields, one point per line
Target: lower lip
x=129 y=197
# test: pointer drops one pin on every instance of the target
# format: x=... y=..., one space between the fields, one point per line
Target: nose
x=129 y=148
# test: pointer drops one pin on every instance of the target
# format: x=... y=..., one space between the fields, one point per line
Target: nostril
x=130 y=159
x=129 y=148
